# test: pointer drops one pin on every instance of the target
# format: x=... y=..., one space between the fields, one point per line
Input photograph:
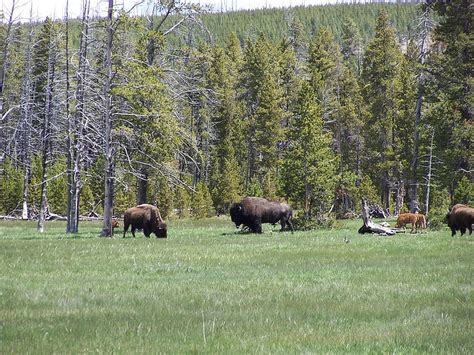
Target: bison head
x=236 y=211
x=161 y=230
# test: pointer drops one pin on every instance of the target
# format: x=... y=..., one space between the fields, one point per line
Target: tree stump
x=371 y=227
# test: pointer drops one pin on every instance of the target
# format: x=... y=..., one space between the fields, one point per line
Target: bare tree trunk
x=425 y=31
x=75 y=125
x=5 y=63
x=46 y=131
x=142 y=186
x=26 y=126
x=69 y=154
x=109 y=156
x=400 y=197
x=428 y=175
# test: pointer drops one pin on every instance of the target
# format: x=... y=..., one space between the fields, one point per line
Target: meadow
x=211 y=289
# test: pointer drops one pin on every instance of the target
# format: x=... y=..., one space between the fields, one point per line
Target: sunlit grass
x=208 y=288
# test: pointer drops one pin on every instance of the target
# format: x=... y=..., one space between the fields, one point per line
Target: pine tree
x=308 y=174
x=202 y=202
x=381 y=85
x=452 y=70
x=264 y=101
x=225 y=182
x=352 y=45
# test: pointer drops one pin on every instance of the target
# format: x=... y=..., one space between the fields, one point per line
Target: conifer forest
x=192 y=110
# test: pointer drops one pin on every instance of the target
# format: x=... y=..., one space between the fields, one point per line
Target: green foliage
x=202 y=202
x=464 y=192
x=87 y=202
x=11 y=187
x=274 y=22
x=164 y=197
x=264 y=106
x=440 y=203
x=381 y=80
x=57 y=187
x=182 y=199
x=308 y=172
x=254 y=188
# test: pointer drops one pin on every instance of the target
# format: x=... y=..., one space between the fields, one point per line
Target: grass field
x=208 y=289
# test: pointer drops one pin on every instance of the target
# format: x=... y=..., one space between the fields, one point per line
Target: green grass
x=207 y=289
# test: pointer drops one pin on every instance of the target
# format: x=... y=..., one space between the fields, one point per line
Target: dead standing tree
x=371 y=227
x=108 y=147
x=76 y=123
x=46 y=131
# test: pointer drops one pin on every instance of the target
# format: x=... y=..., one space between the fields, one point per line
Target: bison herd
x=252 y=212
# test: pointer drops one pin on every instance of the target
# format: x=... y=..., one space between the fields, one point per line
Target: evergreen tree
x=264 y=101
x=309 y=166
x=226 y=181
x=352 y=45
x=451 y=93
x=202 y=202
x=381 y=80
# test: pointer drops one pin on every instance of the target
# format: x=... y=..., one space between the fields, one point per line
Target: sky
x=56 y=8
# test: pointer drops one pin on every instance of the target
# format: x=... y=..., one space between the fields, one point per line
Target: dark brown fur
x=146 y=217
x=253 y=211
x=460 y=218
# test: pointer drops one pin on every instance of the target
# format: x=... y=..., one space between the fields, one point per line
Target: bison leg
x=125 y=228
x=258 y=226
x=470 y=229
x=290 y=225
x=463 y=230
x=453 y=231
x=283 y=223
x=133 y=231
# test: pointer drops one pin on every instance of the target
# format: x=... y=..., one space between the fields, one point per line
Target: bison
x=405 y=218
x=146 y=217
x=115 y=223
x=460 y=218
x=420 y=221
x=253 y=211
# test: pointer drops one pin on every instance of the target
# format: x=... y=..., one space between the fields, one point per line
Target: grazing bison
x=115 y=223
x=460 y=218
x=405 y=218
x=420 y=221
x=253 y=211
x=146 y=217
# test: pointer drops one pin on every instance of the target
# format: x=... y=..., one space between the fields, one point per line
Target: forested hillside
x=274 y=22
x=319 y=106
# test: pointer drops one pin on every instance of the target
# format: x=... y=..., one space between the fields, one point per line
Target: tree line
x=130 y=116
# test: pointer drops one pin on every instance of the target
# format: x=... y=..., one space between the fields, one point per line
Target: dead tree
x=76 y=124
x=26 y=113
x=108 y=122
x=371 y=227
x=429 y=173
x=426 y=26
x=46 y=133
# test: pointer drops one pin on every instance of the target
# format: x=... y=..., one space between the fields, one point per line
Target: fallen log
x=371 y=227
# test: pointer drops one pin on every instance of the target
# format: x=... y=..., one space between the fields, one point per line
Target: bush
x=440 y=207
x=303 y=223
x=202 y=202
x=464 y=192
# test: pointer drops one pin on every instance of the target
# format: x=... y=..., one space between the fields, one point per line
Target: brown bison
x=115 y=223
x=460 y=218
x=146 y=217
x=405 y=218
x=253 y=211
x=420 y=221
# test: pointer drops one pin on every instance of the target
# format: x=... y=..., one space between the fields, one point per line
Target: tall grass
x=209 y=289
